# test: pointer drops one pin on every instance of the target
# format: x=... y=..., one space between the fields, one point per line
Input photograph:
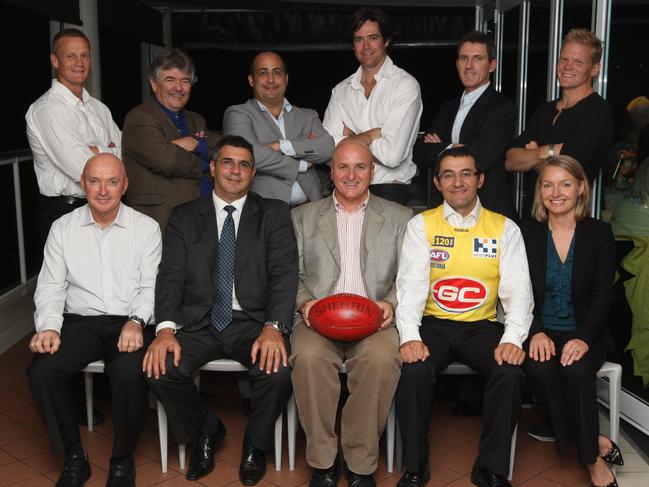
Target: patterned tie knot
x=229 y=209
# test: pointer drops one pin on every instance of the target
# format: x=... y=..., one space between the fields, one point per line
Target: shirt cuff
x=510 y=336
x=408 y=334
x=286 y=146
x=303 y=166
x=166 y=324
x=201 y=149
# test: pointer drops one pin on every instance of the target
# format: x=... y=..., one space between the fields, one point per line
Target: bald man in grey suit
x=288 y=141
x=347 y=243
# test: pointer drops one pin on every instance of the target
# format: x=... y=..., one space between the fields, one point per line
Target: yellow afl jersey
x=464 y=266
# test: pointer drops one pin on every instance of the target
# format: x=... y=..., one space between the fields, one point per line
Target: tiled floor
x=26 y=461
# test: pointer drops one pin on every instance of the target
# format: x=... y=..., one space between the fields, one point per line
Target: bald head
x=352 y=167
x=104 y=181
x=268 y=79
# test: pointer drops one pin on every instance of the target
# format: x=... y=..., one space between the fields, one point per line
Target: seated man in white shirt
x=65 y=127
x=457 y=261
x=93 y=298
x=379 y=105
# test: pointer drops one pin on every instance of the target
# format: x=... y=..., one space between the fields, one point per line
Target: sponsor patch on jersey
x=439 y=255
x=437 y=265
x=460 y=229
x=458 y=294
x=485 y=247
x=443 y=241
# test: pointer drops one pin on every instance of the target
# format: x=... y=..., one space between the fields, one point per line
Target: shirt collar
x=387 y=70
x=338 y=207
x=170 y=113
x=121 y=220
x=219 y=204
x=450 y=213
x=474 y=95
x=67 y=95
x=286 y=106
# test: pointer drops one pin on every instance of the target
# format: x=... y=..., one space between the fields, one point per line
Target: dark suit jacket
x=593 y=272
x=487 y=130
x=161 y=175
x=266 y=263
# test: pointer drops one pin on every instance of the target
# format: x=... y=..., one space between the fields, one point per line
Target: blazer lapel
x=247 y=223
x=208 y=235
x=372 y=224
x=326 y=221
x=581 y=255
x=539 y=251
x=267 y=117
x=475 y=112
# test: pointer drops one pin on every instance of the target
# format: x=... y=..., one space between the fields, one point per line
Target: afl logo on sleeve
x=485 y=248
x=458 y=294
x=439 y=255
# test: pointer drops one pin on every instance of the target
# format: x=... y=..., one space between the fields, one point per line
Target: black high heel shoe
x=613 y=455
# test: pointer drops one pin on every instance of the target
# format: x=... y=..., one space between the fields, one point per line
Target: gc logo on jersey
x=485 y=247
x=458 y=294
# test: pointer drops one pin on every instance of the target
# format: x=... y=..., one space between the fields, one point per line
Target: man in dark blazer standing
x=481 y=119
x=225 y=289
x=167 y=149
x=288 y=140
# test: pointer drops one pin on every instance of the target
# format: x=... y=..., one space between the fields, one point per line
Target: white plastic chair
x=223 y=365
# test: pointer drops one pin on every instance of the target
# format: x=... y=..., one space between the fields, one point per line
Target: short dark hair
x=477 y=37
x=252 y=62
x=234 y=141
x=173 y=59
x=461 y=151
x=68 y=33
x=362 y=15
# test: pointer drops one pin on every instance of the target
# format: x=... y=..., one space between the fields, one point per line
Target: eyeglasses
x=448 y=176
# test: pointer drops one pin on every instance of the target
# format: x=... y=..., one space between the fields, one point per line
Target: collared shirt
x=298 y=196
x=92 y=271
x=350 y=230
x=413 y=277
x=60 y=129
x=201 y=150
x=221 y=215
x=466 y=102
x=394 y=106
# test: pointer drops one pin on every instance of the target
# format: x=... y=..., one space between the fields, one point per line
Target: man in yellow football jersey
x=457 y=261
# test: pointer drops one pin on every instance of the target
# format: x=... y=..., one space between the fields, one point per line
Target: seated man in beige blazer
x=348 y=242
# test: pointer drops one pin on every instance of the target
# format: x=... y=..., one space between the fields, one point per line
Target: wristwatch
x=279 y=326
x=138 y=320
x=550 y=150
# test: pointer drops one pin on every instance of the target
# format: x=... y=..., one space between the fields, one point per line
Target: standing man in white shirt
x=93 y=298
x=457 y=261
x=288 y=141
x=379 y=105
x=66 y=127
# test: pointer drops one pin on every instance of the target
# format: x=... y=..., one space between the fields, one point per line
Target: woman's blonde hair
x=569 y=164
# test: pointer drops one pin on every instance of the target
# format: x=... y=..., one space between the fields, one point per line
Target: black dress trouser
x=85 y=339
x=569 y=394
x=186 y=410
x=472 y=344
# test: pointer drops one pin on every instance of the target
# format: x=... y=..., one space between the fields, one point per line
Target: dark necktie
x=221 y=313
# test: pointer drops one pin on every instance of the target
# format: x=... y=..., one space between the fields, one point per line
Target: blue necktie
x=221 y=313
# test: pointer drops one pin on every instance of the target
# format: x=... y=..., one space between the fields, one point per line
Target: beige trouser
x=373 y=369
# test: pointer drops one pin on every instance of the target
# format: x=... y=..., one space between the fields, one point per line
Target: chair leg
x=278 y=442
x=162 y=433
x=614 y=402
x=389 y=438
x=88 y=383
x=398 y=446
x=181 y=456
x=291 y=431
x=512 y=453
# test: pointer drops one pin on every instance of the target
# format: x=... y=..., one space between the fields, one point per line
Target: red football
x=345 y=317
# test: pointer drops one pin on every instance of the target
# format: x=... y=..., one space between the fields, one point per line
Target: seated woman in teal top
x=572 y=266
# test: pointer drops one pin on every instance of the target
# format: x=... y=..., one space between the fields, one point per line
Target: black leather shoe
x=415 y=479
x=358 y=480
x=121 y=473
x=614 y=455
x=483 y=476
x=325 y=477
x=253 y=464
x=202 y=460
x=76 y=470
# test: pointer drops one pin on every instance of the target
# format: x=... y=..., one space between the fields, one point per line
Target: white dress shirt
x=60 y=128
x=221 y=215
x=298 y=196
x=92 y=271
x=413 y=277
x=466 y=102
x=394 y=106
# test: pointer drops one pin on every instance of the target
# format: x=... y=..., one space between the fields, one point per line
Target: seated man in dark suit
x=226 y=289
x=481 y=119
